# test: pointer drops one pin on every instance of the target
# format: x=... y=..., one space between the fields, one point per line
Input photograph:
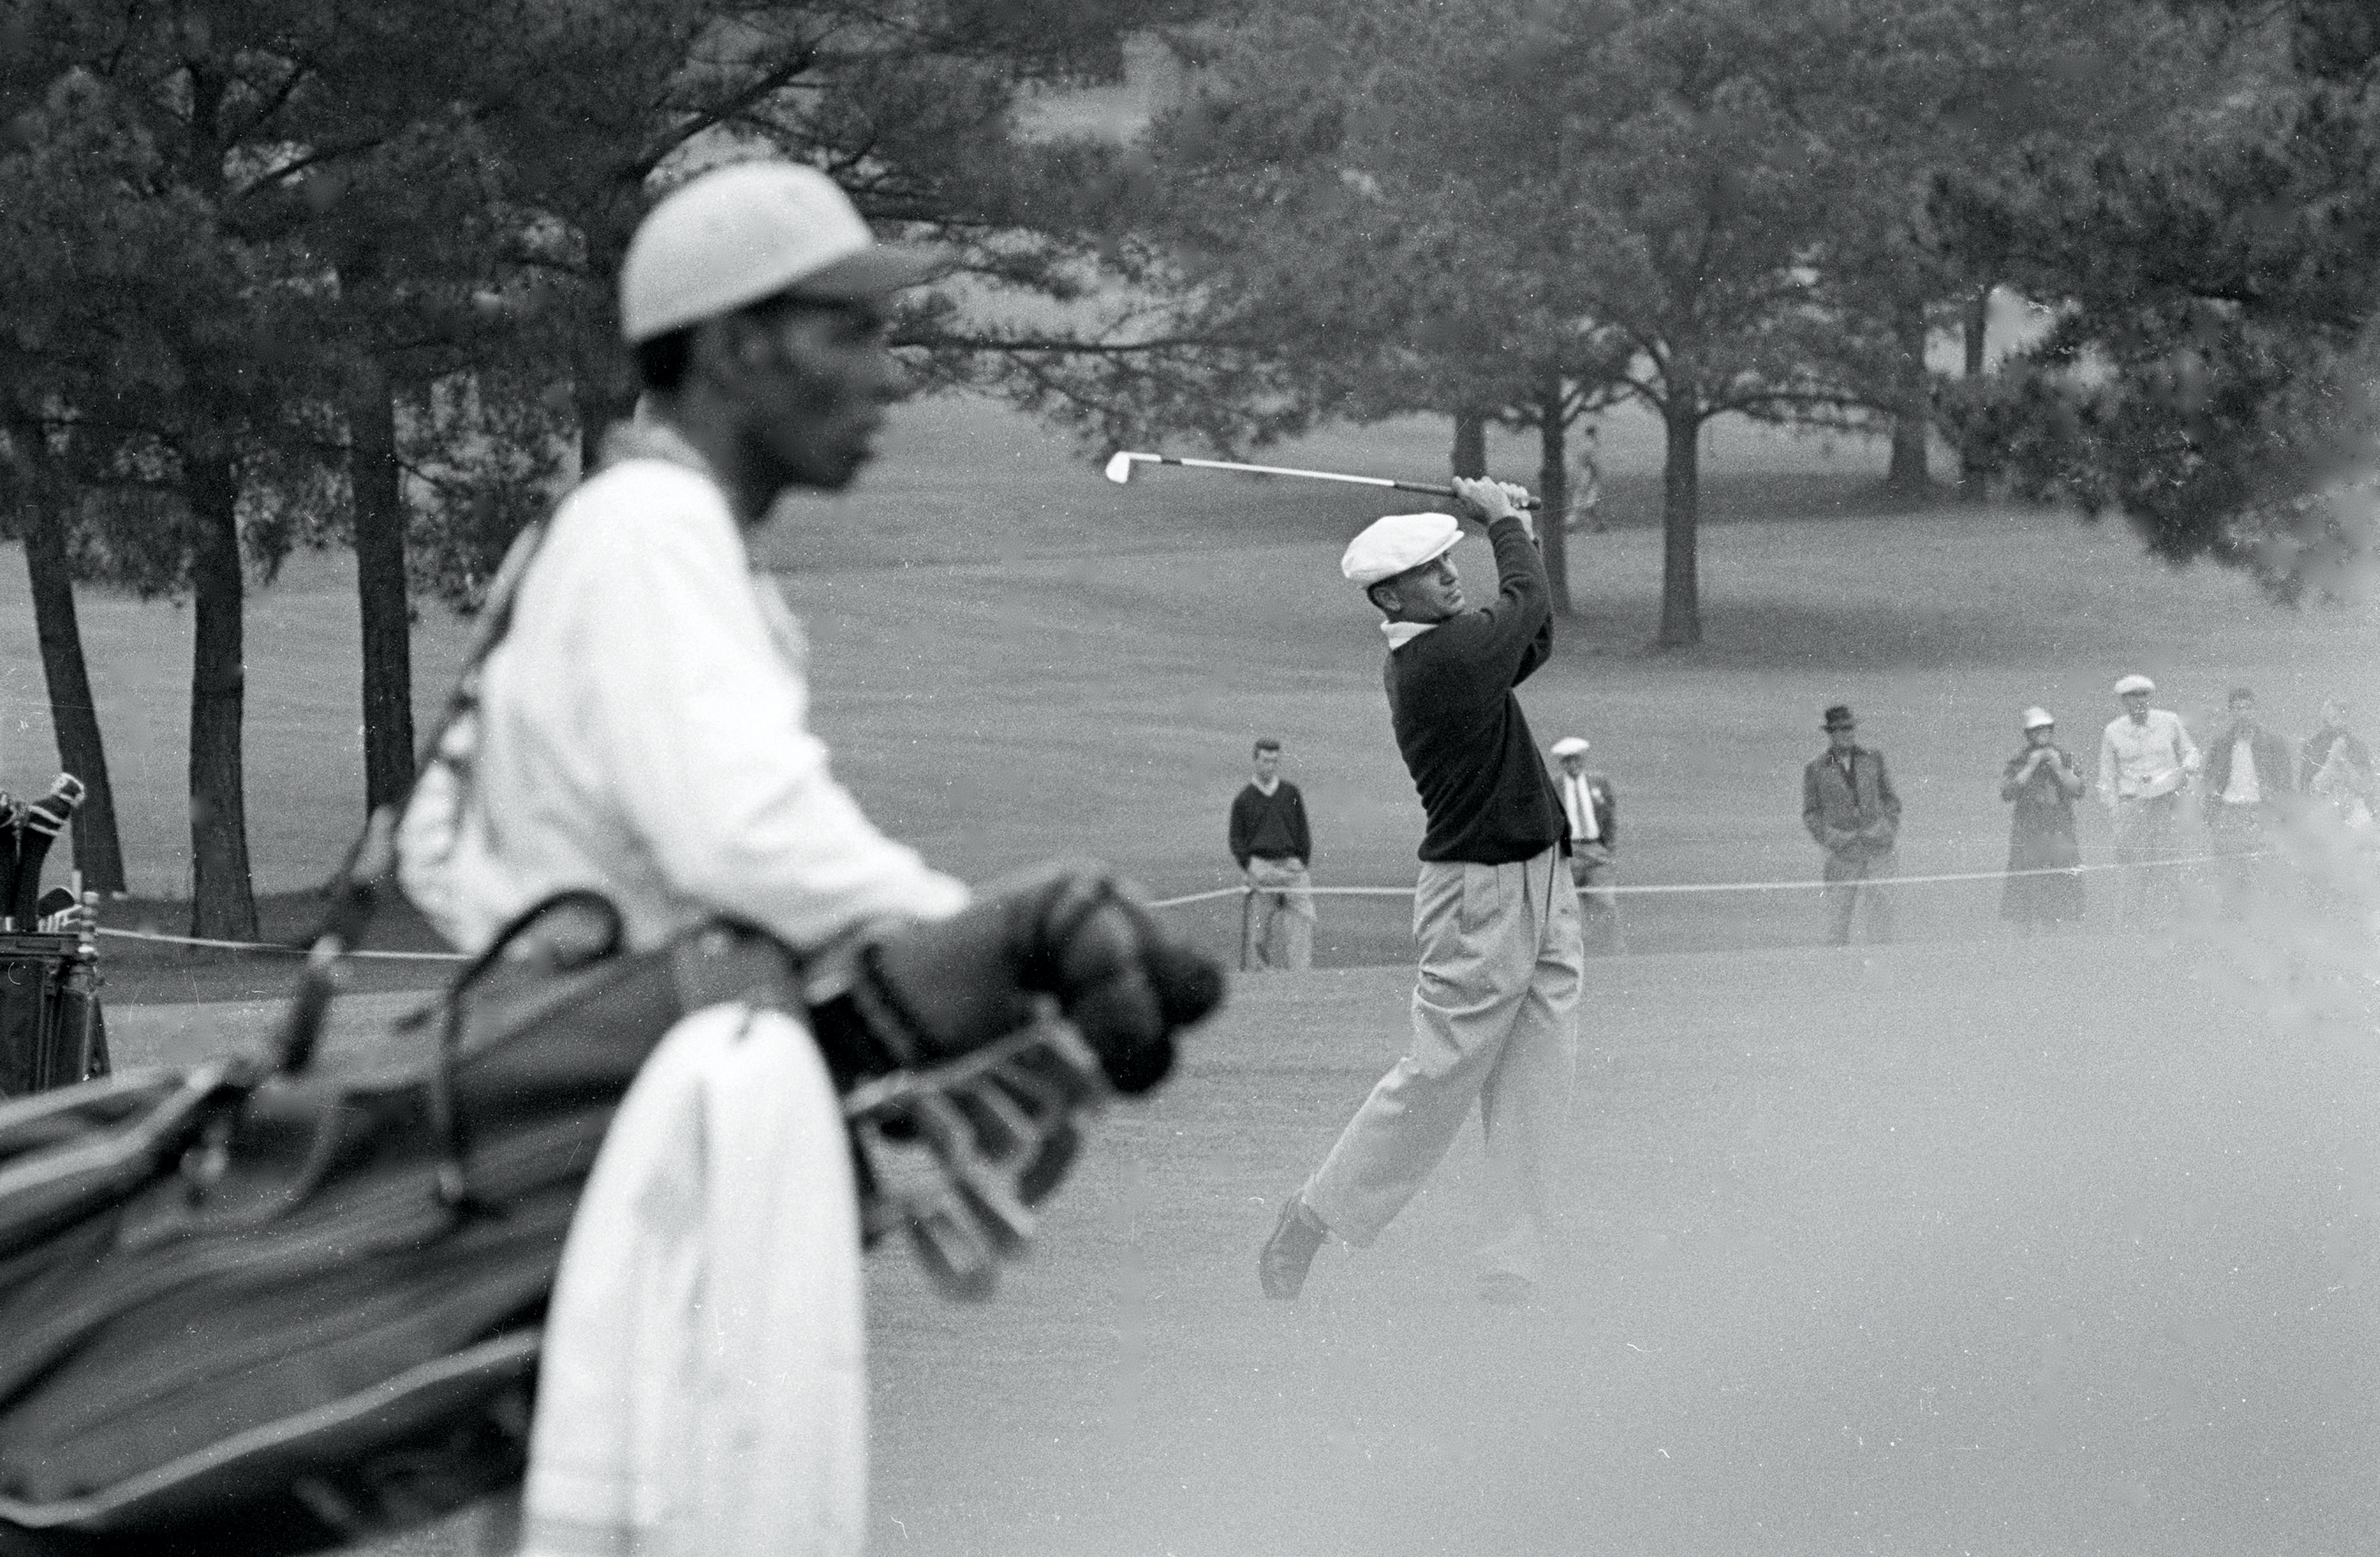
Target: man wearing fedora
x=1850 y=807
x=1495 y=1010
x=1591 y=809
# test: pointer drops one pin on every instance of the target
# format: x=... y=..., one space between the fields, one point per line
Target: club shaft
x=1310 y=475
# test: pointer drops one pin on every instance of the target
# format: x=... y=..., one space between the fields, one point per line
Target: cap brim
x=872 y=272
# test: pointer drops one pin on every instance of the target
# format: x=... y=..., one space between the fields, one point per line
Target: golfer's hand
x=1489 y=501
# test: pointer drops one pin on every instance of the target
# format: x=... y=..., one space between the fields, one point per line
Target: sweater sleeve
x=1512 y=637
x=1241 y=827
x=1304 y=834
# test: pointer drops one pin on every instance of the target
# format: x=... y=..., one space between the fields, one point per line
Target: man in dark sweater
x=1495 y=1012
x=1274 y=848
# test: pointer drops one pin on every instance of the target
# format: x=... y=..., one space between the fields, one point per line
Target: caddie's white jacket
x=644 y=732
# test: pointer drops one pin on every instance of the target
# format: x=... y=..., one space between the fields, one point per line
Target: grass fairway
x=2050 y=1248
x=1950 y=1247
x=1860 y=1258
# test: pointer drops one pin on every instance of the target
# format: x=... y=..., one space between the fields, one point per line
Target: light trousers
x=1276 y=919
x=1495 y=1017
x=1855 y=878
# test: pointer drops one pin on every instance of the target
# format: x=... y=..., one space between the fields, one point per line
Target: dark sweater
x=1272 y=825
x=1483 y=786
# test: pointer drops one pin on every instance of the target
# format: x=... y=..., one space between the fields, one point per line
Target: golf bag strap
x=355 y=891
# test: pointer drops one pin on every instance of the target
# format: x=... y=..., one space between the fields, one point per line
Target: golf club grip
x=1529 y=503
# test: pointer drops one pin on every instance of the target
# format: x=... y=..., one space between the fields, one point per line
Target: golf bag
x=52 y=1033
x=249 y=1310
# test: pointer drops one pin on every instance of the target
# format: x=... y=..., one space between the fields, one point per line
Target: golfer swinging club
x=1495 y=1011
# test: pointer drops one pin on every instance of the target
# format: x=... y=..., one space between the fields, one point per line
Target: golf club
x=1119 y=472
x=44 y=820
x=11 y=818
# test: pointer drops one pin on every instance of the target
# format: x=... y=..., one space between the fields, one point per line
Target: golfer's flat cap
x=732 y=236
x=1398 y=543
x=1570 y=746
x=2036 y=719
x=2132 y=684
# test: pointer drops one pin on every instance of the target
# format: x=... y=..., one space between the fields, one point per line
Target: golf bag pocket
x=266 y=1313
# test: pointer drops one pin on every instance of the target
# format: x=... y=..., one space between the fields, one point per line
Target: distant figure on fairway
x=1592 y=809
x=1849 y=806
x=1275 y=849
x=2146 y=758
x=2041 y=780
x=1495 y=1012
x=2250 y=780
x=1587 y=488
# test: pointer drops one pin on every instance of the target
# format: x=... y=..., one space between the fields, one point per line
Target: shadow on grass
x=1632 y=499
x=1772 y=635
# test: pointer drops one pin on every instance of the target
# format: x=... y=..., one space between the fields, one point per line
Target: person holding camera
x=2041 y=781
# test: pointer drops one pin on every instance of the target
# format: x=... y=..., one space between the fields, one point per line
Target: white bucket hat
x=2134 y=683
x=2036 y=718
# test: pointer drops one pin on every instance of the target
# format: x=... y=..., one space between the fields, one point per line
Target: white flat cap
x=2034 y=718
x=1392 y=545
x=2135 y=682
x=1570 y=746
x=729 y=238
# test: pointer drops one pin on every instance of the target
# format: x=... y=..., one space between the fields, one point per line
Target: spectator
x=2043 y=781
x=1849 y=806
x=2145 y=759
x=1587 y=488
x=2248 y=779
x=1592 y=811
x=1275 y=850
x=2334 y=734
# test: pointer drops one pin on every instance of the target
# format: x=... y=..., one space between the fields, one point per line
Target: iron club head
x=1119 y=468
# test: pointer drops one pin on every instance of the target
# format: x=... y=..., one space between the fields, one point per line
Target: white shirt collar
x=1402 y=633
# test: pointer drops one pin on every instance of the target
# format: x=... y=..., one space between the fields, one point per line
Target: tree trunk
x=1913 y=419
x=1470 y=442
x=223 y=901
x=1682 y=608
x=379 y=587
x=1553 y=490
x=74 y=717
x=1975 y=328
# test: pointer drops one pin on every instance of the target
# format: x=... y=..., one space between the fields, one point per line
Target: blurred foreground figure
x=1850 y=808
x=2336 y=767
x=1495 y=1012
x=1274 y=848
x=2146 y=760
x=1591 y=810
x=2041 y=781
x=642 y=734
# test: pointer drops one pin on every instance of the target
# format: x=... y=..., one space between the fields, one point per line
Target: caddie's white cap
x=2034 y=718
x=1570 y=746
x=2134 y=684
x=1400 y=542
x=729 y=238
